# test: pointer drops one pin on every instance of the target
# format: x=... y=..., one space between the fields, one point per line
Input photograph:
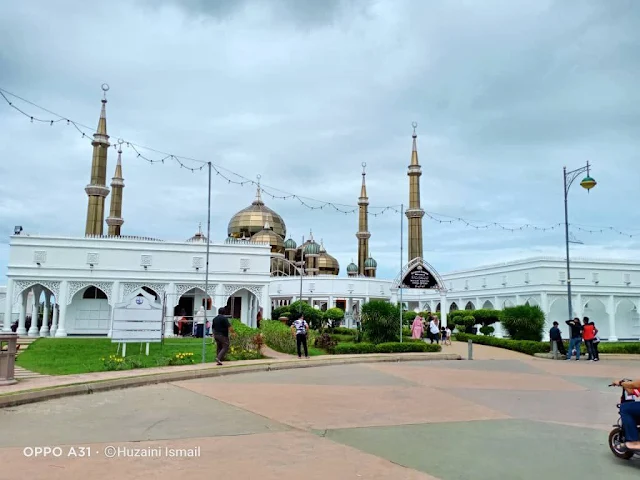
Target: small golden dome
x=252 y=219
x=267 y=235
x=327 y=265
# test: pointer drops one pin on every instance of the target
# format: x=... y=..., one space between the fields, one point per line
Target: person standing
x=434 y=330
x=576 y=337
x=221 y=329
x=555 y=335
x=417 y=327
x=300 y=329
x=589 y=333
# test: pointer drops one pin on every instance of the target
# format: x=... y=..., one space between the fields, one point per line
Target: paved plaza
x=502 y=416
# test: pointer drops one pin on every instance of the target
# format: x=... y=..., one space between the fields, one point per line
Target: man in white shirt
x=299 y=329
x=434 y=329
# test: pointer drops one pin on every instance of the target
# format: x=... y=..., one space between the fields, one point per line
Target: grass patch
x=65 y=356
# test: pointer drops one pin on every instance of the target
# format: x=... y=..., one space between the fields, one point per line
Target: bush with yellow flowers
x=114 y=362
x=181 y=358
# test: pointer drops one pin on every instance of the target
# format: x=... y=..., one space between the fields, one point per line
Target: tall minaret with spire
x=115 y=220
x=414 y=212
x=363 y=234
x=97 y=189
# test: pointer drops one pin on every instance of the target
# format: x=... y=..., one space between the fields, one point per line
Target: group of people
x=432 y=327
x=579 y=332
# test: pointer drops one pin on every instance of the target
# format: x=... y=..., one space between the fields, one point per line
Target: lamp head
x=588 y=183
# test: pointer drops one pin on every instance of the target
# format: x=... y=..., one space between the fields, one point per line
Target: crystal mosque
x=73 y=283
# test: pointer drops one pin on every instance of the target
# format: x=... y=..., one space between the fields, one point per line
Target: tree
x=334 y=316
x=381 y=321
x=524 y=322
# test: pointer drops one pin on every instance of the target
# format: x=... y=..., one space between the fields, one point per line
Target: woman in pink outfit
x=417 y=327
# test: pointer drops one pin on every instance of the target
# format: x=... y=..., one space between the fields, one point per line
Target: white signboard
x=137 y=320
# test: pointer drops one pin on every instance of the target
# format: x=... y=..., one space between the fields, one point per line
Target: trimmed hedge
x=343 y=331
x=388 y=347
x=530 y=347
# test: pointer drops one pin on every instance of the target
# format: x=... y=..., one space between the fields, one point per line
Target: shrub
x=397 y=347
x=326 y=342
x=343 y=338
x=380 y=321
x=483 y=316
x=487 y=330
x=314 y=317
x=387 y=347
x=183 y=358
x=279 y=337
x=524 y=322
x=334 y=316
x=247 y=343
x=524 y=346
x=344 y=331
x=352 y=348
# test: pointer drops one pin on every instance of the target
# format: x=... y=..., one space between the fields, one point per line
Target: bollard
x=555 y=351
x=470 y=355
x=7 y=358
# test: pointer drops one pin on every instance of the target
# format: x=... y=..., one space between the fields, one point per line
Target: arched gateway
x=421 y=285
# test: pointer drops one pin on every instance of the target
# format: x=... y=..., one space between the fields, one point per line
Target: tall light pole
x=587 y=183
x=301 y=272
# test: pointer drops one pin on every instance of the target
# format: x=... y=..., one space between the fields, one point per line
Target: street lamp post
x=587 y=183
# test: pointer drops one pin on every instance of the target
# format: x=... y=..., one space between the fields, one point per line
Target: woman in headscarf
x=417 y=327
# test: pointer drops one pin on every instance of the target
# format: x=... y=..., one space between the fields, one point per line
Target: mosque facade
x=61 y=286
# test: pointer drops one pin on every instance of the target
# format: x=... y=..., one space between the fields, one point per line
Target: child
x=447 y=336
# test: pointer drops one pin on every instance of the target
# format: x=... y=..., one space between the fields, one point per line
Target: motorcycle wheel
x=615 y=439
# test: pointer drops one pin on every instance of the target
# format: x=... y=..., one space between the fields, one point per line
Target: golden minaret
x=97 y=189
x=363 y=234
x=115 y=220
x=414 y=213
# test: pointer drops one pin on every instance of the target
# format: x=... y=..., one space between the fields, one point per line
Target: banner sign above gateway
x=419 y=277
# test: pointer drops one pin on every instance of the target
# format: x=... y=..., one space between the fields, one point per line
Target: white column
x=62 y=314
x=22 y=319
x=115 y=298
x=8 y=306
x=266 y=303
x=444 y=309
x=578 y=307
x=611 y=310
x=331 y=304
x=35 y=307
x=517 y=299
x=54 y=323
x=44 y=330
x=169 y=308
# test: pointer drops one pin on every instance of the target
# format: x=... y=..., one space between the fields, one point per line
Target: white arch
x=485 y=307
x=627 y=319
x=413 y=263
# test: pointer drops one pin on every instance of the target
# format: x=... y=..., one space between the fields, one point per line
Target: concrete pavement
x=519 y=418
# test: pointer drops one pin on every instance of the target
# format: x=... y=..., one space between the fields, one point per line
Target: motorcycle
x=616 y=436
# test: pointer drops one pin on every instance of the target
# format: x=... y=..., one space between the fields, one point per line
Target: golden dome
x=267 y=235
x=251 y=220
x=327 y=265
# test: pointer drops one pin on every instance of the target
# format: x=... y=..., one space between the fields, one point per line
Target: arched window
x=453 y=307
x=94 y=293
x=469 y=306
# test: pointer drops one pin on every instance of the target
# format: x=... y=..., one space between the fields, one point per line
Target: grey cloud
x=504 y=95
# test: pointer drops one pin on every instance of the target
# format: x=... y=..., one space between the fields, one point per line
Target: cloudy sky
x=302 y=92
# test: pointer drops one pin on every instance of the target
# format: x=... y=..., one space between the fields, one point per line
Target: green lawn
x=64 y=356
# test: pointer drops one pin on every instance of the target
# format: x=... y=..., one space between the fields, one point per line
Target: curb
x=604 y=356
x=85 y=388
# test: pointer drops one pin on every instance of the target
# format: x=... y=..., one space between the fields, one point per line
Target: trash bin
x=8 y=342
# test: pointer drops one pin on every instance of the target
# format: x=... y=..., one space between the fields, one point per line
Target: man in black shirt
x=576 y=337
x=556 y=336
x=221 y=329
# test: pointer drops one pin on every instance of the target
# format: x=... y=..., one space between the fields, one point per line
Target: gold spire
x=414 y=213
x=97 y=190
x=115 y=221
x=258 y=199
x=414 y=149
x=363 y=234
